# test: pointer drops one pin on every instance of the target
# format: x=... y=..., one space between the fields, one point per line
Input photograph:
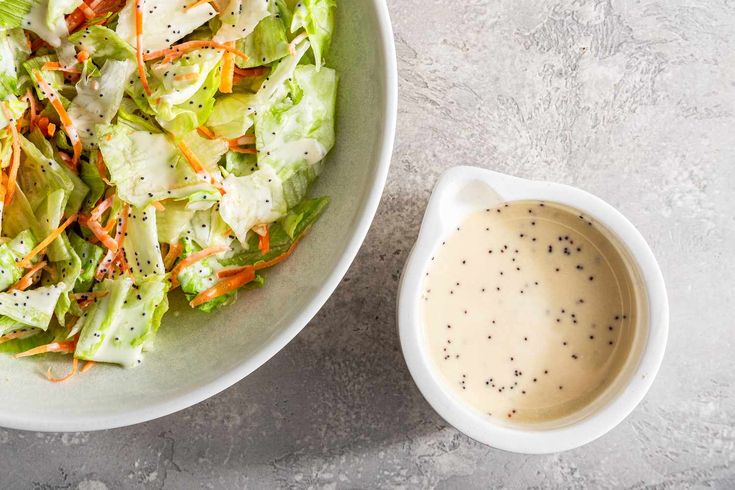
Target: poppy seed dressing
x=539 y=330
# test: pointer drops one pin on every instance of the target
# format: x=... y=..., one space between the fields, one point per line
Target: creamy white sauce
x=529 y=311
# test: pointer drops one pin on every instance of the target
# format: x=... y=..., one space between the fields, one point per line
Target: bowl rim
x=70 y=423
x=528 y=440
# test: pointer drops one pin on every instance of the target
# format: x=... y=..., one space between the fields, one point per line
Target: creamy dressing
x=529 y=311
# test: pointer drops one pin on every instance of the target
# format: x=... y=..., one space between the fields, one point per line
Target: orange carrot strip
x=13 y=175
x=66 y=121
x=83 y=56
x=176 y=51
x=264 y=241
x=193 y=259
x=87 y=11
x=56 y=66
x=139 y=47
x=74 y=365
x=158 y=205
x=194 y=161
x=100 y=208
x=13 y=335
x=26 y=262
x=107 y=264
x=232 y=271
x=206 y=132
x=224 y=287
x=174 y=251
x=248 y=139
x=102 y=168
x=27 y=280
x=67 y=346
x=101 y=234
x=228 y=70
x=51 y=129
x=251 y=72
x=87 y=366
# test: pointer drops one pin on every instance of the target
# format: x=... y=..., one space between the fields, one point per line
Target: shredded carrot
x=265 y=264
x=248 y=139
x=27 y=280
x=67 y=346
x=107 y=264
x=102 y=168
x=176 y=51
x=83 y=56
x=51 y=269
x=66 y=121
x=3 y=185
x=193 y=259
x=206 y=132
x=14 y=335
x=139 y=47
x=100 y=208
x=13 y=174
x=174 y=251
x=228 y=70
x=87 y=11
x=251 y=72
x=43 y=123
x=158 y=205
x=72 y=320
x=194 y=161
x=74 y=364
x=264 y=241
x=26 y=262
x=223 y=287
x=100 y=234
x=85 y=303
x=87 y=366
x=51 y=129
x=56 y=66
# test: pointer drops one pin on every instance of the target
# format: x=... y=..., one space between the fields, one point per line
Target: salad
x=148 y=146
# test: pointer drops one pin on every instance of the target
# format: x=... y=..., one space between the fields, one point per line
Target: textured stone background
x=634 y=101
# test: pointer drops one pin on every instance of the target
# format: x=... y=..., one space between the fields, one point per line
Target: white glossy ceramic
x=463 y=190
x=198 y=354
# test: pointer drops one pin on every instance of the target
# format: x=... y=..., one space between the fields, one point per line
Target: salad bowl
x=197 y=354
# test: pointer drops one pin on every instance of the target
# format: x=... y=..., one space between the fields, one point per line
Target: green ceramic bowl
x=198 y=355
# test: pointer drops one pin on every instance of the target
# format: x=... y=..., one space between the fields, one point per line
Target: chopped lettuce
x=173 y=221
x=32 y=308
x=68 y=271
x=90 y=175
x=298 y=131
x=10 y=253
x=147 y=167
x=117 y=327
x=267 y=43
x=90 y=256
x=316 y=17
x=239 y=18
x=13 y=52
x=232 y=115
x=98 y=99
x=141 y=245
x=252 y=200
x=102 y=44
x=12 y=12
x=46 y=19
x=164 y=23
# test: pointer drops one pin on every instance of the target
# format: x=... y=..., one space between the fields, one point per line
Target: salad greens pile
x=150 y=145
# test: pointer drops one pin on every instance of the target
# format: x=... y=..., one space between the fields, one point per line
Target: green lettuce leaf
x=117 y=327
x=316 y=17
x=90 y=256
x=164 y=23
x=298 y=131
x=252 y=200
x=46 y=19
x=147 y=167
x=142 y=250
x=102 y=44
x=90 y=175
x=239 y=18
x=267 y=43
x=32 y=308
x=232 y=115
x=173 y=221
x=98 y=99
x=13 y=53
x=12 y=12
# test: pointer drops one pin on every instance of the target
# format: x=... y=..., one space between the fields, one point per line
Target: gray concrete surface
x=632 y=100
